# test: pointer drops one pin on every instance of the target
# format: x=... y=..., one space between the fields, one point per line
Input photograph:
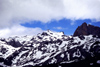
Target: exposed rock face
x=50 y=49
x=87 y=29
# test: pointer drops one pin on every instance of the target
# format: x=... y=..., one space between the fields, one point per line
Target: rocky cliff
x=87 y=29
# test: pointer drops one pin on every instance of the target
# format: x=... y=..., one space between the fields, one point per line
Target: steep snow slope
x=6 y=50
x=50 y=48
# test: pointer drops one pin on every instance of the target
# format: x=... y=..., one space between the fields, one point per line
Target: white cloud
x=90 y=23
x=59 y=28
x=14 y=11
x=72 y=23
x=19 y=31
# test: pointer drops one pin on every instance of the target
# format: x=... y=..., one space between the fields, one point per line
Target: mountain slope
x=50 y=49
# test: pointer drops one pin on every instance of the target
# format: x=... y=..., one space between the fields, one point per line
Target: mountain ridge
x=87 y=29
x=49 y=49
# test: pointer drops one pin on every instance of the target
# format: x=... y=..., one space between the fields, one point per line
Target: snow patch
x=38 y=54
x=62 y=55
x=98 y=62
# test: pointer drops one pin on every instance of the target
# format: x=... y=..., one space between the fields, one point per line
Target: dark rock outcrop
x=14 y=43
x=52 y=49
x=87 y=29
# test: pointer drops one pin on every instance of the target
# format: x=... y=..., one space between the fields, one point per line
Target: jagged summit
x=51 y=49
x=87 y=29
x=84 y=24
x=52 y=33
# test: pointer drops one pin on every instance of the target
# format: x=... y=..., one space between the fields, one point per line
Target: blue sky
x=30 y=17
x=66 y=25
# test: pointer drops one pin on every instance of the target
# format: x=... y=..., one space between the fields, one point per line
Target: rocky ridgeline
x=50 y=49
x=87 y=29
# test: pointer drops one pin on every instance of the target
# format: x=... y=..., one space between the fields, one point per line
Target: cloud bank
x=20 y=11
x=19 y=31
x=15 y=12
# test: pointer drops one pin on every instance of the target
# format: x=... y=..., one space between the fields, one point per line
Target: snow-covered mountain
x=49 y=49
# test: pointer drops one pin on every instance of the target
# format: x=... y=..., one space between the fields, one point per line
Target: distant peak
x=84 y=24
x=87 y=29
x=48 y=30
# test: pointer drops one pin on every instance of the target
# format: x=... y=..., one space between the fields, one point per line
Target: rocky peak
x=86 y=29
x=84 y=24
